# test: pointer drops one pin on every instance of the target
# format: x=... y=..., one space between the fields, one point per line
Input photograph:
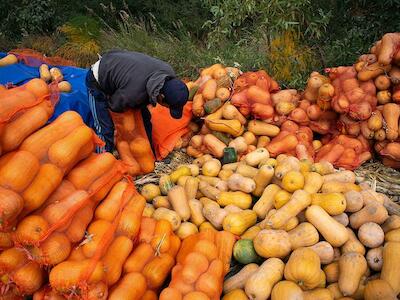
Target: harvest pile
x=307 y=231
x=263 y=189
x=339 y=117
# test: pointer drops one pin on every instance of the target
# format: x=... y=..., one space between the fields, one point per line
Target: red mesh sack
x=345 y=152
x=132 y=143
x=252 y=94
x=96 y=264
x=353 y=97
x=167 y=130
x=24 y=110
x=35 y=59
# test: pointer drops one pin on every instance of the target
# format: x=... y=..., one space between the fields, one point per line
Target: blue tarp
x=77 y=100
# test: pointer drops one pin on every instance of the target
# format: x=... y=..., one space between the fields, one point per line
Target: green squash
x=244 y=252
x=165 y=184
x=230 y=156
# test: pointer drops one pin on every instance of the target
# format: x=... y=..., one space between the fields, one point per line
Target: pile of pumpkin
x=359 y=101
x=307 y=230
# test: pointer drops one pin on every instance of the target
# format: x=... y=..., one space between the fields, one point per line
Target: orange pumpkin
x=68 y=274
x=29 y=278
x=31 y=229
x=12 y=259
x=147 y=227
x=129 y=223
x=195 y=265
x=19 y=171
x=132 y=286
x=109 y=207
x=115 y=257
x=11 y=205
x=76 y=230
x=142 y=254
x=84 y=174
x=55 y=249
x=31 y=120
x=38 y=87
x=65 y=151
x=96 y=231
x=46 y=181
x=157 y=270
x=5 y=240
x=39 y=142
x=161 y=239
x=210 y=282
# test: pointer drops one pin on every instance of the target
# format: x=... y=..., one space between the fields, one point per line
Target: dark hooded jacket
x=132 y=79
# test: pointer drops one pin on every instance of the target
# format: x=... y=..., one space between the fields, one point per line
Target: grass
x=286 y=59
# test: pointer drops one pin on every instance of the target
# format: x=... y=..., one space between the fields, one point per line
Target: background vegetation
x=289 y=38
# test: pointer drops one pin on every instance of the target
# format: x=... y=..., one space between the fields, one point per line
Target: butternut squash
x=239 y=222
x=393 y=222
x=22 y=127
x=371 y=235
x=65 y=151
x=298 y=202
x=48 y=178
x=332 y=272
x=239 y=199
x=179 y=202
x=150 y=191
x=352 y=266
x=391 y=236
x=256 y=157
x=169 y=215
x=259 y=285
x=11 y=206
x=211 y=168
x=131 y=286
x=319 y=293
x=312 y=182
x=213 y=213
x=239 y=280
x=262 y=179
x=19 y=172
x=391 y=265
x=304 y=268
x=339 y=187
x=186 y=229
x=352 y=244
x=246 y=171
x=343 y=219
x=373 y=212
x=333 y=203
x=286 y=290
x=236 y=294
x=303 y=235
x=375 y=258
x=239 y=183
x=196 y=212
x=115 y=256
x=262 y=128
x=354 y=201
x=333 y=232
x=378 y=289
x=266 y=201
x=272 y=243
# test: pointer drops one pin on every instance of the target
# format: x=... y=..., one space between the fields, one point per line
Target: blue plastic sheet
x=77 y=100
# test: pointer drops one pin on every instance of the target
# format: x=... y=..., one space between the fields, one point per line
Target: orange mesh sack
x=150 y=263
x=132 y=143
x=97 y=263
x=19 y=275
x=48 y=234
x=166 y=130
x=345 y=152
x=202 y=263
x=31 y=174
x=24 y=110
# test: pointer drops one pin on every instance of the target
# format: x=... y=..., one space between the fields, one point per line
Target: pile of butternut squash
x=360 y=102
x=305 y=228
